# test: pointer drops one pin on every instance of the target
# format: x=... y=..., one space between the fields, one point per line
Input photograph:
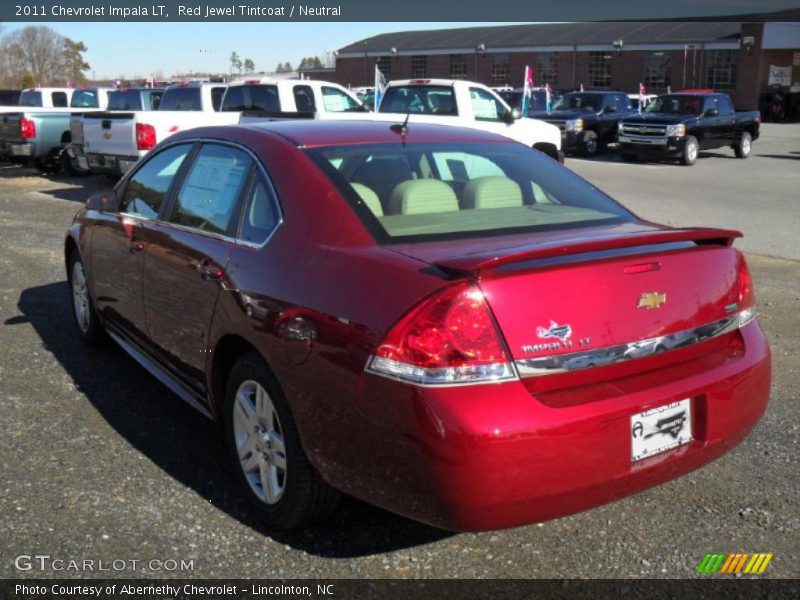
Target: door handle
x=135 y=246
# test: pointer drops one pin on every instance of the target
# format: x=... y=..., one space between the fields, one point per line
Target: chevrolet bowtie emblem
x=650 y=300
x=106 y=135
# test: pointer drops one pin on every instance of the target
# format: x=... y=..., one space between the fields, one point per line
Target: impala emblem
x=106 y=135
x=651 y=300
x=562 y=332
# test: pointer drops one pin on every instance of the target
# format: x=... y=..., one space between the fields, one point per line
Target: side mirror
x=512 y=115
x=106 y=201
x=712 y=112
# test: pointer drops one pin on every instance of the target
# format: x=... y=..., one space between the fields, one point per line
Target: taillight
x=145 y=136
x=449 y=338
x=746 y=295
x=27 y=128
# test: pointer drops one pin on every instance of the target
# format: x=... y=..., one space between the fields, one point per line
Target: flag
x=669 y=89
x=548 y=97
x=527 y=90
x=581 y=87
x=642 y=93
x=380 y=85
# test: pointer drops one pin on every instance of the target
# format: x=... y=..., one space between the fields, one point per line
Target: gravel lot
x=98 y=460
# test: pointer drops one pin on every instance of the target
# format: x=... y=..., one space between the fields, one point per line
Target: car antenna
x=401 y=129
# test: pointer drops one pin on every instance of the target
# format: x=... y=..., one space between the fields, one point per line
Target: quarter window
x=260 y=213
x=59 y=99
x=147 y=188
x=210 y=192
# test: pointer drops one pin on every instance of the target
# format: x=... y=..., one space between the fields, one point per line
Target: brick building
x=739 y=58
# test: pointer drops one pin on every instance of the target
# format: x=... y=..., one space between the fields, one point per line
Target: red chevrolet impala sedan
x=438 y=321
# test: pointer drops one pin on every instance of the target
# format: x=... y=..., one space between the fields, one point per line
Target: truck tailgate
x=10 y=127
x=110 y=133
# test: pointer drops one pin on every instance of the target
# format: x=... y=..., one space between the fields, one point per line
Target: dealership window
x=419 y=67
x=721 y=70
x=656 y=75
x=499 y=69
x=600 y=70
x=458 y=66
x=385 y=66
x=547 y=68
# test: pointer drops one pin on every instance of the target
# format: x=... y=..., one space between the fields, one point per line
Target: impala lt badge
x=651 y=300
x=562 y=332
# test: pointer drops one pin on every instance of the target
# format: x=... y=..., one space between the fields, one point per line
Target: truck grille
x=642 y=129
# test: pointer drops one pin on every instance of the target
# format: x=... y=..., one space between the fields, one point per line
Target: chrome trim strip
x=601 y=357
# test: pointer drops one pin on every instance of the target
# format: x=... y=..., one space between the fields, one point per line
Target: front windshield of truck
x=84 y=99
x=30 y=98
x=676 y=104
x=581 y=102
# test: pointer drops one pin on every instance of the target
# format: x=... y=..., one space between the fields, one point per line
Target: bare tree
x=37 y=51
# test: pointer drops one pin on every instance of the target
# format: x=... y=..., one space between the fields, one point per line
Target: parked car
x=265 y=98
x=466 y=104
x=588 y=120
x=681 y=125
x=41 y=98
x=39 y=136
x=119 y=100
x=418 y=291
x=114 y=141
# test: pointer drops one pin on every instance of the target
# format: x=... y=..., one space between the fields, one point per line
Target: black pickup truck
x=681 y=125
x=587 y=120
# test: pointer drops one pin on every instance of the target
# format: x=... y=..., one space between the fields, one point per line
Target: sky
x=128 y=50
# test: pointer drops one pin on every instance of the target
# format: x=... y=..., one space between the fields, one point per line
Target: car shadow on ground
x=74 y=194
x=186 y=445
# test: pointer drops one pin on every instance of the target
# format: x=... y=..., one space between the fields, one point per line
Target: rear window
x=84 y=99
x=29 y=98
x=125 y=100
x=420 y=99
x=407 y=191
x=251 y=97
x=187 y=98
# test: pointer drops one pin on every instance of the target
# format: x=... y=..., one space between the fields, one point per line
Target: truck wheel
x=742 y=147
x=264 y=449
x=690 y=150
x=589 y=143
x=65 y=161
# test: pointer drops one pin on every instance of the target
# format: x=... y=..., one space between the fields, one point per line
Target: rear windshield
x=125 y=100
x=420 y=99
x=251 y=97
x=187 y=98
x=405 y=192
x=29 y=98
x=84 y=99
x=677 y=104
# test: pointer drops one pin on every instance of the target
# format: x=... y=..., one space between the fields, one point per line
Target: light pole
x=479 y=49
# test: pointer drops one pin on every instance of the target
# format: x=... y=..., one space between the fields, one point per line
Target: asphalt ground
x=99 y=461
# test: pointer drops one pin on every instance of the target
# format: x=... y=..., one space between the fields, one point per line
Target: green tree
x=236 y=63
x=74 y=65
x=249 y=65
x=311 y=62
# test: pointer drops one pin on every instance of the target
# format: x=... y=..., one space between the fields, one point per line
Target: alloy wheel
x=80 y=297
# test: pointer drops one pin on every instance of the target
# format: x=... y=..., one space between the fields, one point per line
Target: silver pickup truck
x=38 y=136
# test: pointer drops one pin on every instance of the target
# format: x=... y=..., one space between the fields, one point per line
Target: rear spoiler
x=108 y=114
x=493 y=259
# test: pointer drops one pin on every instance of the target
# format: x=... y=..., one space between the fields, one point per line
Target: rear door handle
x=209 y=271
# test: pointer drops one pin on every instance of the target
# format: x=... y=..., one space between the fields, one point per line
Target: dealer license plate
x=660 y=429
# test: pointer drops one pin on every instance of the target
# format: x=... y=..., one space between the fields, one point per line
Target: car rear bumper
x=493 y=456
x=20 y=149
x=110 y=164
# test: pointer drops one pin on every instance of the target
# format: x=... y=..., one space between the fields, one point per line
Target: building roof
x=546 y=35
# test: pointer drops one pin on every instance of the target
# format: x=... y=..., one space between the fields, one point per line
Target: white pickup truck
x=114 y=141
x=265 y=98
x=466 y=104
x=41 y=98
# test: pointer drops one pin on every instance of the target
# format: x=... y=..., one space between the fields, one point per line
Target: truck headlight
x=678 y=130
x=574 y=125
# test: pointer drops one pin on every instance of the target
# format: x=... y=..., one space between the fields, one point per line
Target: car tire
x=590 y=144
x=690 y=151
x=743 y=145
x=265 y=451
x=84 y=316
x=65 y=164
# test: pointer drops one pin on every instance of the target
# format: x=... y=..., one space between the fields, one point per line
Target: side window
x=260 y=213
x=216 y=97
x=59 y=99
x=304 y=98
x=337 y=101
x=147 y=188
x=725 y=106
x=209 y=194
x=485 y=106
